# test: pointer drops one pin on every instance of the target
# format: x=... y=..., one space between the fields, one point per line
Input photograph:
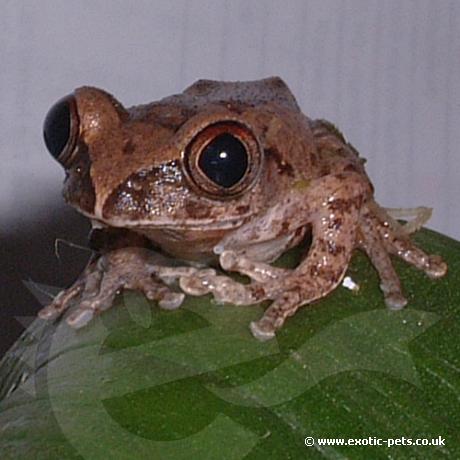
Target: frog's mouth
x=164 y=223
x=186 y=224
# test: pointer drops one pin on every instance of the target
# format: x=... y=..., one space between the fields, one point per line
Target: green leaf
x=141 y=382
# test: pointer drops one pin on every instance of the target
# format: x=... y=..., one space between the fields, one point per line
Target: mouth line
x=162 y=223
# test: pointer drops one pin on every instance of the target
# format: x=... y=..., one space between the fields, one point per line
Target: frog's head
x=174 y=163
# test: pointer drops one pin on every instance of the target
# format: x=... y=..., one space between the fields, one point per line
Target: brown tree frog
x=224 y=177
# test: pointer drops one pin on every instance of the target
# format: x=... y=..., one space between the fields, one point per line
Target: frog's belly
x=198 y=245
x=185 y=244
x=270 y=250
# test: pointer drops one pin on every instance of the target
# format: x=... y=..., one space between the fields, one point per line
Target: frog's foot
x=288 y=289
x=398 y=243
x=371 y=242
x=379 y=235
x=95 y=290
x=266 y=285
x=224 y=288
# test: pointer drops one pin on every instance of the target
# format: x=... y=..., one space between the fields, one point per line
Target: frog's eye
x=223 y=159
x=60 y=128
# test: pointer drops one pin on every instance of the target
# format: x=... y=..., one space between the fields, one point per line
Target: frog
x=221 y=179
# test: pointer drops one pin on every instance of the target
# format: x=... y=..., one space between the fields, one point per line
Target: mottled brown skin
x=128 y=171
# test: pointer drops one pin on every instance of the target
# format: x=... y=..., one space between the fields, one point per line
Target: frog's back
x=235 y=95
x=257 y=92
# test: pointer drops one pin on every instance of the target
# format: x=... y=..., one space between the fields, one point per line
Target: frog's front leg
x=332 y=206
x=131 y=268
x=334 y=217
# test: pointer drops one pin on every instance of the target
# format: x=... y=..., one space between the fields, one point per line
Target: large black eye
x=58 y=129
x=224 y=160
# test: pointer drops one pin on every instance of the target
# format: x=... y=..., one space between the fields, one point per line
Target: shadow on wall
x=27 y=253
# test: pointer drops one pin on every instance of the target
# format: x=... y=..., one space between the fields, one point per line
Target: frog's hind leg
x=370 y=240
x=397 y=242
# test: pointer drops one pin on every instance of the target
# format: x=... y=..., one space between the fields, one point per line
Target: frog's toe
x=436 y=267
x=223 y=288
x=391 y=288
x=395 y=301
x=228 y=260
x=89 y=307
x=171 y=300
x=196 y=285
x=60 y=303
x=258 y=271
x=155 y=290
x=80 y=318
x=262 y=330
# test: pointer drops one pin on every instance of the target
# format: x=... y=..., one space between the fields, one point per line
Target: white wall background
x=387 y=72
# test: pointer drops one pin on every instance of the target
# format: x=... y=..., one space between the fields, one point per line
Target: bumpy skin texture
x=129 y=170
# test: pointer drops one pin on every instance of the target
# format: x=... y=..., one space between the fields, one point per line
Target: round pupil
x=224 y=160
x=56 y=129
